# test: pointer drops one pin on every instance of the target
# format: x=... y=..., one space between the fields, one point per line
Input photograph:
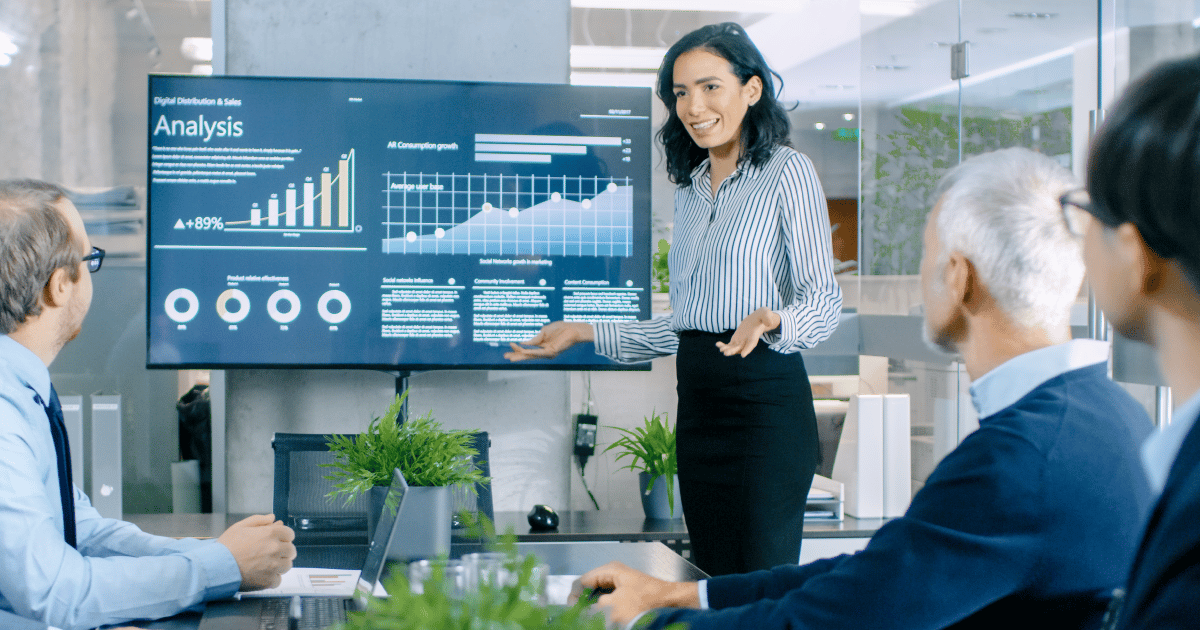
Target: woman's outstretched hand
x=551 y=340
x=746 y=337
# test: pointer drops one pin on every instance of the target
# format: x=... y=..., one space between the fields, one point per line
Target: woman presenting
x=751 y=284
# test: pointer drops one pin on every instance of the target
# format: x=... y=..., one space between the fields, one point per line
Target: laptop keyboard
x=317 y=613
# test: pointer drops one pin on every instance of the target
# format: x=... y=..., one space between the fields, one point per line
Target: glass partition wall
x=1034 y=77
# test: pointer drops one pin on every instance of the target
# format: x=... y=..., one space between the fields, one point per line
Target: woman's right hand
x=551 y=340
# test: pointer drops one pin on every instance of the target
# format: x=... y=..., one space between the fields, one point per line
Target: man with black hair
x=1142 y=248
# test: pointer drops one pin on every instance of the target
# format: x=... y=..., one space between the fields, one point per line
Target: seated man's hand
x=629 y=593
x=263 y=549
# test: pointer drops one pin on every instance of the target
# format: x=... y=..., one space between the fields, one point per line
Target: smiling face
x=711 y=101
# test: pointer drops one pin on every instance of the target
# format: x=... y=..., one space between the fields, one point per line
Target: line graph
x=486 y=214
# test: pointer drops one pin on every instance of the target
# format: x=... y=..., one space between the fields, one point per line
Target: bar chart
x=321 y=203
x=540 y=149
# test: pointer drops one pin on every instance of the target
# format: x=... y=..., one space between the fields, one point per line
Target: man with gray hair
x=61 y=563
x=1034 y=517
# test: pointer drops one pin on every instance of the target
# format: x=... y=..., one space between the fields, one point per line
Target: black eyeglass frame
x=1071 y=199
x=94 y=259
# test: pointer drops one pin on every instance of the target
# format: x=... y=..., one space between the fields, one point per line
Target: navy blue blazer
x=1033 y=519
x=1164 y=586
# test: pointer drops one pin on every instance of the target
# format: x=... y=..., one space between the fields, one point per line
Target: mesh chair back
x=300 y=497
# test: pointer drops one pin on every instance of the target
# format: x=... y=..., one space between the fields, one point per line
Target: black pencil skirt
x=747 y=448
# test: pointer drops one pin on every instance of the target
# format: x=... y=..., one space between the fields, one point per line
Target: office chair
x=300 y=489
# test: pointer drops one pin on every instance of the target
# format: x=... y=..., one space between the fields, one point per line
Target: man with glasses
x=61 y=563
x=1032 y=520
x=1142 y=248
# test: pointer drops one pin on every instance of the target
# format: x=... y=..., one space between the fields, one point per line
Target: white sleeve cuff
x=702 y=588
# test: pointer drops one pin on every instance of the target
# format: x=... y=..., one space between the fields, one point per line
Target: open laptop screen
x=384 y=530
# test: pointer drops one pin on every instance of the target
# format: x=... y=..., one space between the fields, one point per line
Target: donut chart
x=343 y=301
x=293 y=301
x=193 y=306
x=284 y=306
x=242 y=301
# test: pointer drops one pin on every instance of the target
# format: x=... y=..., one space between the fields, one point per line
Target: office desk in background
x=822 y=539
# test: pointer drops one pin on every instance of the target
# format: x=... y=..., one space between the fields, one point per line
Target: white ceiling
x=830 y=53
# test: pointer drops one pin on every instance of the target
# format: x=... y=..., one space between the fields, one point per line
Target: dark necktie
x=58 y=430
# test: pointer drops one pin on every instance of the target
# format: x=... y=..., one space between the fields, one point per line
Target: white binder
x=859 y=461
x=897 y=455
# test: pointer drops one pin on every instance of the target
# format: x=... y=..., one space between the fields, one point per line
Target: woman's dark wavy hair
x=766 y=124
x=1144 y=165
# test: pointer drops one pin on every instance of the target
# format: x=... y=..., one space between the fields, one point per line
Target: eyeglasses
x=94 y=259
x=1076 y=209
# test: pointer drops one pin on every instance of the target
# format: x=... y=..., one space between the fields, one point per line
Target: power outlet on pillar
x=585 y=436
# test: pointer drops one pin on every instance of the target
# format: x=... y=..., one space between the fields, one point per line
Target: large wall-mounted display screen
x=390 y=224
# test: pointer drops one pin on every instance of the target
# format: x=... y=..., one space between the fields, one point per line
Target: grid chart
x=483 y=214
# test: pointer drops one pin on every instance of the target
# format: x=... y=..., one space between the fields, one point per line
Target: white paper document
x=306 y=581
x=558 y=588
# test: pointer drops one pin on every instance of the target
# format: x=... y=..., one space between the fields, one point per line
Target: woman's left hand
x=746 y=337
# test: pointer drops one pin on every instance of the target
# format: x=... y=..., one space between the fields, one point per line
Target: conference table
x=563 y=558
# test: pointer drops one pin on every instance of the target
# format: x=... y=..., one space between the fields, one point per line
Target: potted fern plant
x=440 y=605
x=432 y=460
x=651 y=450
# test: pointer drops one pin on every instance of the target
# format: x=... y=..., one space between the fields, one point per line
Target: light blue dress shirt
x=118 y=572
x=1159 y=450
x=1008 y=382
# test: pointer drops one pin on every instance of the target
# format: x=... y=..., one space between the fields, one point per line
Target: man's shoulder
x=1073 y=418
x=1081 y=400
x=1164 y=582
x=1181 y=496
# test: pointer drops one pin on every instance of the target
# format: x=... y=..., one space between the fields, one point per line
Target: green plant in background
x=660 y=274
x=427 y=454
x=651 y=449
x=505 y=607
x=902 y=171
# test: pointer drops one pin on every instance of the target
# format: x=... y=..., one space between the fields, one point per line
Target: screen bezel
x=600 y=364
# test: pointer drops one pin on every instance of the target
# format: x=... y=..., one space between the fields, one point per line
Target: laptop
x=256 y=612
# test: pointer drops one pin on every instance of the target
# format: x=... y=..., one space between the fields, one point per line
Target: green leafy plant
x=651 y=449
x=427 y=454
x=659 y=272
x=913 y=147
x=490 y=606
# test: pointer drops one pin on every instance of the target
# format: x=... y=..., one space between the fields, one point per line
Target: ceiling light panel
x=728 y=6
x=197 y=48
x=898 y=8
x=614 y=79
x=7 y=45
x=632 y=57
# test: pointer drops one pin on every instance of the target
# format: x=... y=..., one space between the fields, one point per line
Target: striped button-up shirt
x=763 y=241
